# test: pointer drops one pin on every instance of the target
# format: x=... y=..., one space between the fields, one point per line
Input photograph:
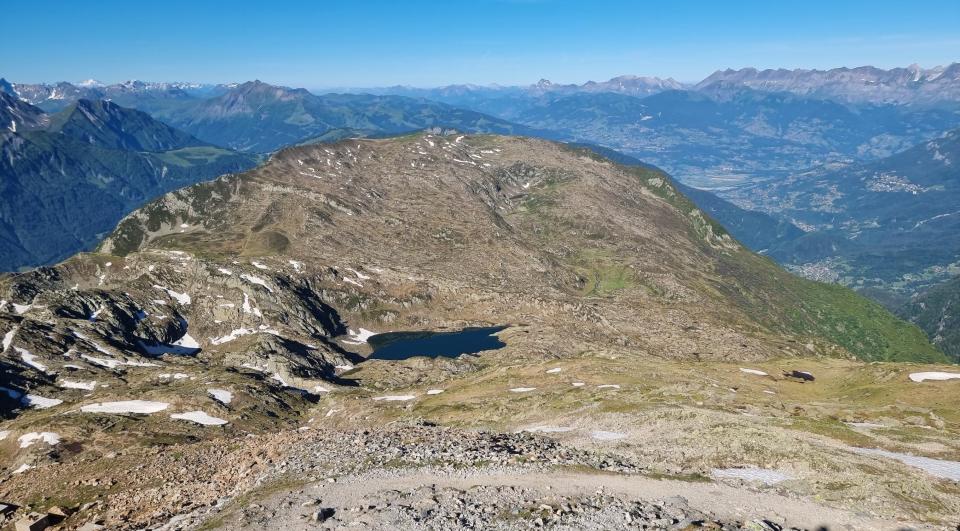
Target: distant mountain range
x=866 y=84
x=259 y=117
x=68 y=177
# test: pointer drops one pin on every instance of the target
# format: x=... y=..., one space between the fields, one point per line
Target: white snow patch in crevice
x=523 y=389
x=126 y=406
x=183 y=298
x=234 y=334
x=258 y=265
x=763 y=475
x=29 y=439
x=608 y=386
x=30 y=359
x=256 y=280
x=554 y=370
x=358 y=274
x=352 y=281
x=935 y=376
x=578 y=384
x=248 y=308
x=200 y=418
x=21 y=469
x=434 y=391
x=394 y=398
x=753 y=371
x=4 y=434
x=224 y=271
x=8 y=338
x=185 y=346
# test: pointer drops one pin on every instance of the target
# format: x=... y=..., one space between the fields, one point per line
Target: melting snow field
x=40 y=402
x=71 y=384
x=935 y=467
x=29 y=439
x=182 y=298
x=768 y=477
x=200 y=418
x=30 y=359
x=601 y=435
x=523 y=389
x=434 y=391
x=358 y=338
x=394 y=398
x=753 y=371
x=937 y=376
x=555 y=370
x=549 y=429
x=126 y=406
x=221 y=395
x=185 y=346
x=231 y=336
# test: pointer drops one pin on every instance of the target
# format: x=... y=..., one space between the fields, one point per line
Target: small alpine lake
x=405 y=345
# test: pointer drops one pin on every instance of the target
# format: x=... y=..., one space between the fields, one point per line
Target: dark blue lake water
x=404 y=345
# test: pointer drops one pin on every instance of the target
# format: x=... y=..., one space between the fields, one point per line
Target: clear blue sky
x=319 y=44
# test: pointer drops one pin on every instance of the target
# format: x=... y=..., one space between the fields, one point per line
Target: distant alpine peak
x=89 y=83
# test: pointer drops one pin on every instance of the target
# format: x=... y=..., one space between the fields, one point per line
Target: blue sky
x=376 y=43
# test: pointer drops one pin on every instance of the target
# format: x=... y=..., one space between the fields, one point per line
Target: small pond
x=405 y=345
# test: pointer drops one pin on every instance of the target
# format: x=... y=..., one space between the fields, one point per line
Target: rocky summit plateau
x=209 y=365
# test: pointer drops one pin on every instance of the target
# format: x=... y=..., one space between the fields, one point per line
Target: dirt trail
x=350 y=497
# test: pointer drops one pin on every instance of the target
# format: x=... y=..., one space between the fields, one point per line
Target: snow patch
x=29 y=439
x=549 y=429
x=256 y=280
x=358 y=338
x=126 y=406
x=183 y=298
x=935 y=467
x=30 y=359
x=200 y=418
x=753 y=371
x=40 y=402
x=936 y=376
x=523 y=389
x=234 y=334
x=394 y=398
x=221 y=395
x=71 y=384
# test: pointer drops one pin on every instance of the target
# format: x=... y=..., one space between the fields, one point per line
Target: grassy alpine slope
x=630 y=318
